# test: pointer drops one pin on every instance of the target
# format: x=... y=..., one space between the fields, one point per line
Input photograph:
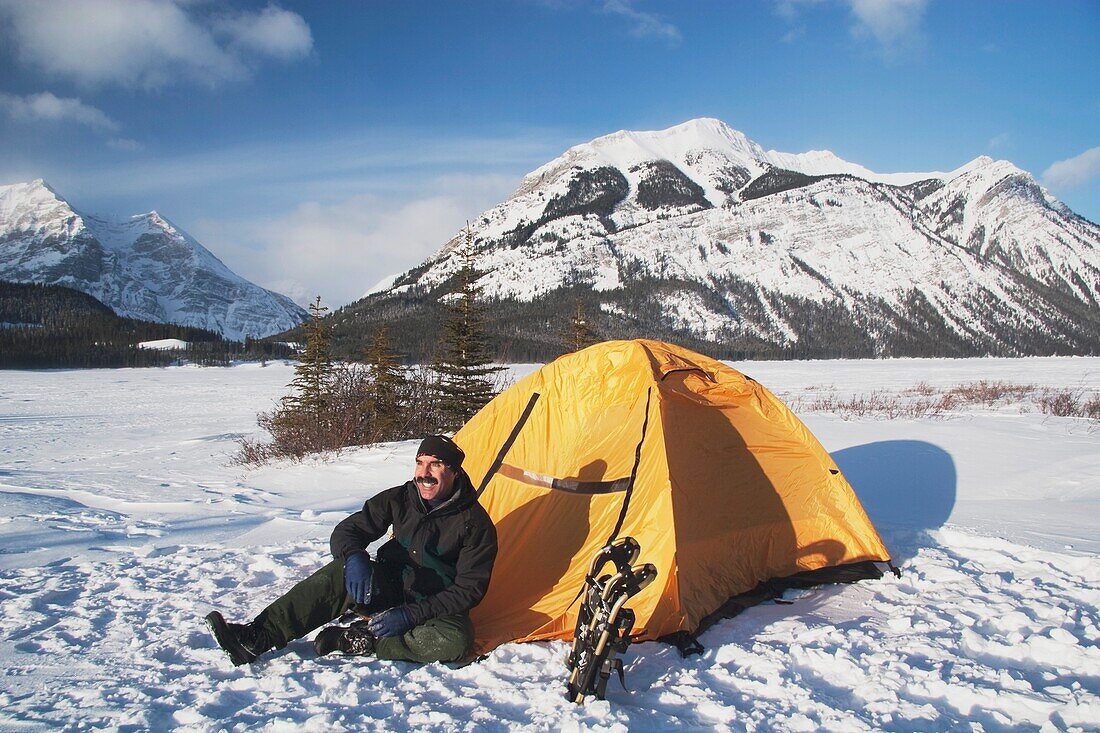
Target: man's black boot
x=242 y=642
x=353 y=640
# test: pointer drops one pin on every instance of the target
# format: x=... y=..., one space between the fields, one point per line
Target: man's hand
x=393 y=622
x=358 y=573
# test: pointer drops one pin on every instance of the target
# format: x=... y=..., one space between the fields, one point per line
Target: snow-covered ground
x=122 y=523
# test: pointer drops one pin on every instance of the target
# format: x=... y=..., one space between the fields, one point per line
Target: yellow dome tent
x=720 y=483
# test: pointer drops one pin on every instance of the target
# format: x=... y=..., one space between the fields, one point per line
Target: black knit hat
x=442 y=448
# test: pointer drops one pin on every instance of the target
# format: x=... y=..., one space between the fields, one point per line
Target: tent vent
x=675 y=370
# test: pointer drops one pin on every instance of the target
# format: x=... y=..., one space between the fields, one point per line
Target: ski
x=604 y=623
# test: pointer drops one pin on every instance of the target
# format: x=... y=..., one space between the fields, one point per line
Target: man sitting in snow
x=414 y=597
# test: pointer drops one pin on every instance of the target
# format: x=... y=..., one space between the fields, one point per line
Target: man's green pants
x=321 y=598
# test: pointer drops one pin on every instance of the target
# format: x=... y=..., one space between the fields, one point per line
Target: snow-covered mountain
x=142 y=267
x=698 y=233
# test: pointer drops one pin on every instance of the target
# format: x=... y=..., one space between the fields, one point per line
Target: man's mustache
x=427 y=480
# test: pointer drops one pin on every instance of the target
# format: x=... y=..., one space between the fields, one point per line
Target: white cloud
x=340 y=250
x=47 y=107
x=125 y=144
x=894 y=24
x=323 y=168
x=790 y=9
x=272 y=32
x=643 y=24
x=147 y=43
x=999 y=141
x=794 y=34
x=1073 y=172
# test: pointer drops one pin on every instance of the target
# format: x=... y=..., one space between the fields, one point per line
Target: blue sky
x=318 y=146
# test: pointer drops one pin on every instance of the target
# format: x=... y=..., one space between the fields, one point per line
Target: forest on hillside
x=54 y=327
x=541 y=329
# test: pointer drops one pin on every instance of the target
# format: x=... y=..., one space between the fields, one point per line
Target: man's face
x=434 y=480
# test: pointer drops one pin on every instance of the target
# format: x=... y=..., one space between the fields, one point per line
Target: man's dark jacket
x=442 y=557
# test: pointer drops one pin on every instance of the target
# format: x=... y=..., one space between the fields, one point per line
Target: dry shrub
x=877 y=404
x=350 y=414
x=924 y=389
x=1062 y=403
x=988 y=393
x=922 y=401
x=251 y=452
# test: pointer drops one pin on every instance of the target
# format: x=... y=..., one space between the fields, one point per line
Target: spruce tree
x=580 y=332
x=385 y=394
x=314 y=373
x=466 y=377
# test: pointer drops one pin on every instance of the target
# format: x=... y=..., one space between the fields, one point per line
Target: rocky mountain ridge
x=142 y=267
x=698 y=234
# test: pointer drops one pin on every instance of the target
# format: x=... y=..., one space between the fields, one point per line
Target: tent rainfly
x=723 y=487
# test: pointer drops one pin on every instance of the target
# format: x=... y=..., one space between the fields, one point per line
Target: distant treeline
x=50 y=327
x=539 y=330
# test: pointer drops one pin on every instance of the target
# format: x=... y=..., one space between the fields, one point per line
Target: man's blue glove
x=358 y=572
x=393 y=622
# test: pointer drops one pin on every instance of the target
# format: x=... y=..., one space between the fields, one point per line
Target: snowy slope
x=123 y=523
x=825 y=162
x=734 y=242
x=143 y=267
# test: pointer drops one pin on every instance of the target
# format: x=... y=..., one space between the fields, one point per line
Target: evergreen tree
x=580 y=332
x=311 y=418
x=384 y=400
x=466 y=377
x=314 y=373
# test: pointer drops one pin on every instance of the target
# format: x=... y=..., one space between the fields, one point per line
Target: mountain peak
x=33 y=205
x=680 y=144
x=626 y=148
x=154 y=218
x=987 y=166
x=142 y=266
x=697 y=134
x=704 y=128
x=38 y=189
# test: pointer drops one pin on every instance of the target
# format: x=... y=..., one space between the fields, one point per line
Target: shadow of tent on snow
x=903 y=484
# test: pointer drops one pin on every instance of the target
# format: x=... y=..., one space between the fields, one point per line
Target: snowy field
x=122 y=523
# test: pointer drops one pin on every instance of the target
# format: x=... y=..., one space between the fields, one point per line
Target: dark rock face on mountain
x=697 y=235
x=662 y=185
x=142 y=267
x=596 y=192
